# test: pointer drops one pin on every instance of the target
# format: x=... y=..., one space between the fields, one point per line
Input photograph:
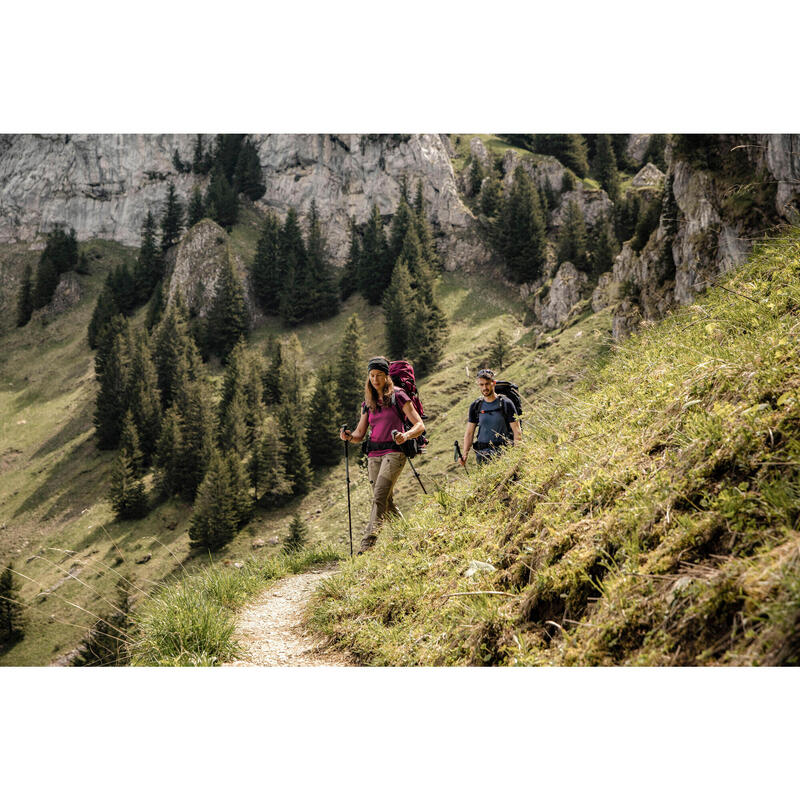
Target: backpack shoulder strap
x=475 y=405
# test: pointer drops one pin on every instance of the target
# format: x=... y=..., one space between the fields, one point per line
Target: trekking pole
x=457 y=455
x=347 y=473
x=416 y=474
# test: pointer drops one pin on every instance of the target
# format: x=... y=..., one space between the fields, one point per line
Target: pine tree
x=298 y=464
x=499 y=351
x=155 y=307
x=149 y=264
x=60 y=255
x=522 y=229
x=273 y=393
x=25 y=302
x=144 y=397
x=429 y=333
x=221 y=201
x=172 y=220
x=397 y=307
x=242 y=502
x=227 y=147
x=292 y=374
x=198 y=157
x=349 y=280
x=233 y=433
x=424 y=232
x=127 y=494
x=112 y=399
x=490 y=197
x=168 y=454
x=604 y=248
x=569 y=148
x=227 y=320
x=402 y=222
x=375 y=268
x=572 y=237
x=475 y=178
x=215 y=520
x=322 y=431
x=350 y=372
x=171 y=343
x=321 y=287
x=11 y=621
x=656 y=151
x=105 y=342
x=266 y=269
x=105 y=310
x=626 y=215
x=605 y=166
x=649 y=216
x=294 y=300
x=47 y=278
x=298 y=534
x=129 y=442
x=248 y=175
x=197 y=209
x=123 y=288
x=267 y=465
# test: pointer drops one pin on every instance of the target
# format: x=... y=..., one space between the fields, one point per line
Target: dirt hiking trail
x=271 y=631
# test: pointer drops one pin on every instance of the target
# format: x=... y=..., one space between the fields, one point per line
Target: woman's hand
x=400 y=437
x=345 y=435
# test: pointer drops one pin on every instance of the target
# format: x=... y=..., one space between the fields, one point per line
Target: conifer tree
x=149 y=264
x=168 y=454
x=221 y=202
x=298 y=464
x=656 y=151
x=129 y=442
x=172 y=220
x=298 y=534
x=349 y=280
x=267 y=465
x=475 y=178
x=375 y=269
x=294 y=299
x=198 y=157
x=604 y=248
x=522 y=229
x=112 y=398
x=60 y=255
x=626 y=215
x=215 y=520
x=569 y=148
x=572 y=237
x=649 y=216
x=155 y=307
x=323 y=294
x=233 y=433
x=105 y=310
x=397 y=306
x=248 y=175
x=47 y=278
x=143 y=395
x=424 y=232
x=11 y=620
x=226 y=153
x=227 y=320
x=171 y=343
x=350 y=372
x=266 y=269
x=273 y=393
x=490 y=197
x=127 y=494
x=500 y=346
x=197 y=209
x=123 y=288
x=240 y=491
x=322 y=433
x=292 y=372
x=669 y=226
x=25 y=301
x=428 y=338
x=605 y=166
x=105 y=342
x=402 y=222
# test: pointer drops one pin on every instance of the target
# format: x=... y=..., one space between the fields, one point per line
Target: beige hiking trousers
x=383 y=474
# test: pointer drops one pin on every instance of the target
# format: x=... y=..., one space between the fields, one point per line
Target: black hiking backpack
x=510 y=391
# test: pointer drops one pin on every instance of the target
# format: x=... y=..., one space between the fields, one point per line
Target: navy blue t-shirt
x=492 y=421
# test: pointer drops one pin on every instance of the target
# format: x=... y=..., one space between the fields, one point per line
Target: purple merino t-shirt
x=384 y=420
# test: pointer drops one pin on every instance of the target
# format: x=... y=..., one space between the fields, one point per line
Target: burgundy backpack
x=402 y=375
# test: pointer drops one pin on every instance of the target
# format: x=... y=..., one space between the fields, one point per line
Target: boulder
x=565 y=292
x=648 y=176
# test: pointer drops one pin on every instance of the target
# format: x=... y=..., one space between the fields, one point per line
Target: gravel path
x=271 y=628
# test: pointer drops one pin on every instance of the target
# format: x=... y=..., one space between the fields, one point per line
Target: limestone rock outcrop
x=565 y=291
x=649 y=175
x=593 y=203
x=637 y=146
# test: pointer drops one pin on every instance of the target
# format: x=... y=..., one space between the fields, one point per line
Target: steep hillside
x=651 y=516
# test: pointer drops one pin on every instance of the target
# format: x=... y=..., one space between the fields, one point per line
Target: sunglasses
x=486 y=373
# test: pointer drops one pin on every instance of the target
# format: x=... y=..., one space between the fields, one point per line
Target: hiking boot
x=366 y=543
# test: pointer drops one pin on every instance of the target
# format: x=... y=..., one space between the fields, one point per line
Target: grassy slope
x=651 y=516
x=55 y=481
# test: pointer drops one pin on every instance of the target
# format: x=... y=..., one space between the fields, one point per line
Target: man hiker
x=496 y=419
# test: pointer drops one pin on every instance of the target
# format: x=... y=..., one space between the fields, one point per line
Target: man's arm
x=469 y=434
x=516 y=429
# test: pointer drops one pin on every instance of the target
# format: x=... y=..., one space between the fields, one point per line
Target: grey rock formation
x=199 y=260
x=103 y=185
x=566 y=290
x=648 y=175
x=605 y=292
x=478 y=150
x=637 y=146
x=593 y=203
x=545 y=171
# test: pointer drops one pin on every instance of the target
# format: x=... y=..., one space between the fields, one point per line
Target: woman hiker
x=384 y=410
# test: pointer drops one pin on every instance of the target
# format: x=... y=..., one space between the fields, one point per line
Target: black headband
x=378 y=363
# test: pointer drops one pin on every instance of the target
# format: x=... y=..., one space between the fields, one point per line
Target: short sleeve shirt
x=491 y=419
x=386 y=419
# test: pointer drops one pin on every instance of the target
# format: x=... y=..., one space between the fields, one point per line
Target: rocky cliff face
x=103 y=185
